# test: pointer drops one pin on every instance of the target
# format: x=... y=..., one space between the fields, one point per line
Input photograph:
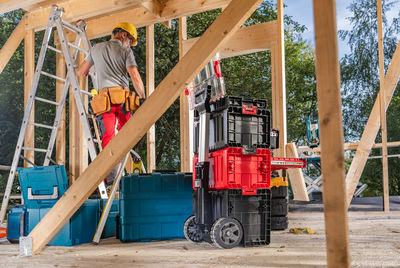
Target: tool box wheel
x=191 y=231
x=226 y=233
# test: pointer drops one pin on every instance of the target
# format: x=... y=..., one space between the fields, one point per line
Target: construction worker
x=113 y=61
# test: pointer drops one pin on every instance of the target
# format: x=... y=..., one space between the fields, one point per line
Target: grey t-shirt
x=110 y=59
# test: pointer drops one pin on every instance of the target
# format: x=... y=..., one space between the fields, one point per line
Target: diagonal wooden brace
x=157 y=103
x=372 y=127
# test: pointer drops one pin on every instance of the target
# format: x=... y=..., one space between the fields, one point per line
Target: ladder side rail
x=28 y=110
x=61 y=105
x=78 y=100
x=87 y=46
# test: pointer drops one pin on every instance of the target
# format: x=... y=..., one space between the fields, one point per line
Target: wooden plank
x=157 y=103
x=151 y=133
x=385 y=167
x=8 y=49
x=10 y=5
x=60 y=139
x=353 y=146
x=74 y=10
x=29 y=70
x=78 y=151
x=167 y=23
x=250 y=39
x=184 y=108
x=154 y=7
x=279 y=84
x=372 y=126
x=331 y=133
x=103 y=25
x=296 y=177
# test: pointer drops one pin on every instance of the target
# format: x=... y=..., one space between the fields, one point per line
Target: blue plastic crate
x=15 y=223
x=154 y=206
x=78 y=230
x=42 y=186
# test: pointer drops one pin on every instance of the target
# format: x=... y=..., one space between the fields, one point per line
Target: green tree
x=360 y=84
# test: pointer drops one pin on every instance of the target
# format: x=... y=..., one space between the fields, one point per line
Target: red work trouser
x=109 y=122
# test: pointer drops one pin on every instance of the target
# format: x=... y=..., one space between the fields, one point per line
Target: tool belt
x=101 y=103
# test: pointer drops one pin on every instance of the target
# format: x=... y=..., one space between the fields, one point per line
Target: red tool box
x=231 y=169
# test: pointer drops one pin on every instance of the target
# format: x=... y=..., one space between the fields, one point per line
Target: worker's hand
x=141 y=100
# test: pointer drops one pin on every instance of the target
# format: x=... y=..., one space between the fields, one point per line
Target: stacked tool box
x=154 y=206
x=232 y=199
x=41 y=188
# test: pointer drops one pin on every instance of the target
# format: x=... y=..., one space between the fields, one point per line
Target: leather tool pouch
x=101 y=103
x=132 y=102
x=117 y=95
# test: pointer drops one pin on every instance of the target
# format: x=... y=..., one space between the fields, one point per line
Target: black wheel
x=279 y=207
x=279 y=192
x=226 y=233
x=191 y=231
x=279 y=223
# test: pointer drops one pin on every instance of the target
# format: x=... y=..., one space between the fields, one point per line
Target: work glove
x=141 y=100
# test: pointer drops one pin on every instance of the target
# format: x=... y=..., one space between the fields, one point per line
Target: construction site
x=231 y=184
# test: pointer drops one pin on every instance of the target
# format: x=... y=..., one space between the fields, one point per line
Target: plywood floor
x=374 y=242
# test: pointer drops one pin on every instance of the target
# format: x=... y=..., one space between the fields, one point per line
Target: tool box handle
x=201 y=99
x=44 y=196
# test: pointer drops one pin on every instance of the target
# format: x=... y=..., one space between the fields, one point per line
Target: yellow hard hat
x=127 y=26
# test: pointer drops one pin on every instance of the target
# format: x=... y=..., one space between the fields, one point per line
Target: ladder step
x=53 y=76
x=71 y=27
x=40 y=125
x=46 y=101
x=34 y=149
x=86 y=92
x=78 y=48
x=55 y=49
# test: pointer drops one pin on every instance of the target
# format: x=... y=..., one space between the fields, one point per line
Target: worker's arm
x=83 y=69
x=136 y=80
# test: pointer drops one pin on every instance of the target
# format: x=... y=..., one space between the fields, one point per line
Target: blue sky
x=302 y=12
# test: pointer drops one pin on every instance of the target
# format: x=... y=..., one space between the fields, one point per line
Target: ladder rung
x=55 y=49
x=46 y=101
x=34 y=149
x=86 y=92
x=40 y=125
x=78 y=48
x=53 y=76
x=71 y=27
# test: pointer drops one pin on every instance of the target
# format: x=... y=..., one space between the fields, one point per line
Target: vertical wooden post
x=29 y=70
x=151 y=133
x=330 y=118
x=60 y=139
x=78 y=152
x=383 y=110
x=184 y=109
x=279 y=84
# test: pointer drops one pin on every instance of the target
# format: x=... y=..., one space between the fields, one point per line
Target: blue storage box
x=79 y=229
x=16 y=223
x=154 y=206
x=110 y=229
x=42 y=186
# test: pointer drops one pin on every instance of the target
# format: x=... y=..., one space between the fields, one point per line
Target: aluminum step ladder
x=70 y=52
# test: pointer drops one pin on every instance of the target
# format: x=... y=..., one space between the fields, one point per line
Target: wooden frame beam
x=278 y=83
x=60 y=139
x=372 y=126
x=10 y=5
x=12 y=44
x=151 y=133
x=331 y=132
x=250 y=39
x=185 y=144
x=166 y=93
x=102 y=26
x=296 y=176
x=29 y=70
x=385 y=168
